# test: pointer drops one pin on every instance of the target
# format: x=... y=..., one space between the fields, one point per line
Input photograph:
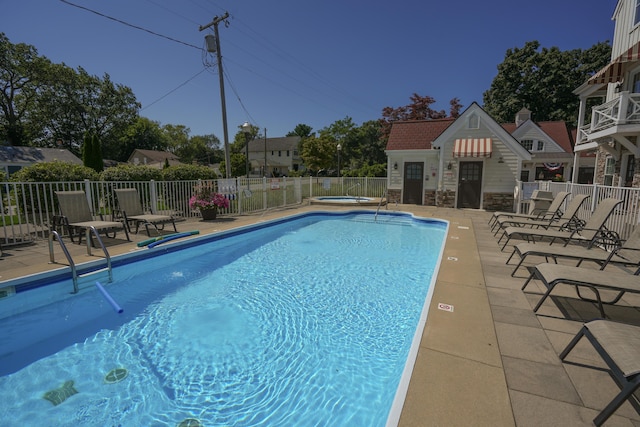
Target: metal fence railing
x=27 y=208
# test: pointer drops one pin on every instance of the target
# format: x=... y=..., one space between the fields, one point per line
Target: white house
x=472 y=161
x=612 y=127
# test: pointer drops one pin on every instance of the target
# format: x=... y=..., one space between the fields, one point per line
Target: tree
x=143 y=134
x=418 y=109
x=319 y=152
x=301 y=130
x=22 y=72
x=542 y=80
x=97 y=163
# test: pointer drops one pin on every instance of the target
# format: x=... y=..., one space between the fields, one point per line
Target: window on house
x=609 y=170
x=636 y=83
x=524 y=176
x=540 y=146
x=279 y=153
x=474 y=120
x=287 y=153
x=527 y=144
x=637 y=18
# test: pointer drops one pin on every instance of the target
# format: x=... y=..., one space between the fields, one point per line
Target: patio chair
x=553 y=211
x=618 y=344
x=604 y=250
x=616 y=280
x=574 y=231
x=131 y=210
x=76 y=216
x=557 y=221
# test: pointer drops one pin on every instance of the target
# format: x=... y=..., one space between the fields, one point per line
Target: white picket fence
x=27 y=208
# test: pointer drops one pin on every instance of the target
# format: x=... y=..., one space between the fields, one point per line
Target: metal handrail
x=74 y=273
x=384 y=196
x=72 y=265
x=104 y=249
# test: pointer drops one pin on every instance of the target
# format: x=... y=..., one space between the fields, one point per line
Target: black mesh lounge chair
x=619 y=345
x=76 y=216
x=615 y=280
x=131 y=210
x=574 y=231
x=625 y=252
x=553 y=211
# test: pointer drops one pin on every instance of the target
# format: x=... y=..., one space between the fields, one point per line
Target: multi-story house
x=273 y=157
x=611 y=128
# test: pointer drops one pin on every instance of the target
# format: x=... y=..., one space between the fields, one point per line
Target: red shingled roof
x=416 y=134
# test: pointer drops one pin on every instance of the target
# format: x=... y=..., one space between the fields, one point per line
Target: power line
x=173 y=90
x=128 y=25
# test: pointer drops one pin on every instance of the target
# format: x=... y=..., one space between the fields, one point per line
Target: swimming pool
x=304 y=321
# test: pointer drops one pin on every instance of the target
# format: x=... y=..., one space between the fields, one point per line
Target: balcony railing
x=624 y=110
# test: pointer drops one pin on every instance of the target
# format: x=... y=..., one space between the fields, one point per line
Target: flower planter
x=208 y=214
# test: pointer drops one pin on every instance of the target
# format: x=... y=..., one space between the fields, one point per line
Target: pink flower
x=206 y=198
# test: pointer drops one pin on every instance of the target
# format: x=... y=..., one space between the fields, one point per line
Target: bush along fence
x=27 y=208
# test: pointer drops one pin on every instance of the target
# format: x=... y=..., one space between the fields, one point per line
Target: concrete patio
x=486 y=359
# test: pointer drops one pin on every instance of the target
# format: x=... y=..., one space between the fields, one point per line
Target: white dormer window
x=474 y=120
x=527 y=144
x=540 y=145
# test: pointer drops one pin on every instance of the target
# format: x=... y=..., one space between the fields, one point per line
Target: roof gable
x=416 y=134
x=487 y=121
x=152 y=156
x=555 y=131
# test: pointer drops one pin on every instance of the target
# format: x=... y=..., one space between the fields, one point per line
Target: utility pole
x=214 y=23
x=265 y=153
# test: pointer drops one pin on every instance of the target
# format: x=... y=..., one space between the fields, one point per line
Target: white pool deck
x=485 y=359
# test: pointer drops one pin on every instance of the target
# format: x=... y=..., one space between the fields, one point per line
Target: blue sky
x=288 y=62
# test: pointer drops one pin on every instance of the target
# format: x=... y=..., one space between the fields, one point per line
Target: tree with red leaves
x=419 y=109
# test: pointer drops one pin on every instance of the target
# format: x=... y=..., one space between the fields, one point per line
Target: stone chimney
x=522 y=116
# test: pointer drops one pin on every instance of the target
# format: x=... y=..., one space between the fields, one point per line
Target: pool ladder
x=74 y=271
x=384 y=197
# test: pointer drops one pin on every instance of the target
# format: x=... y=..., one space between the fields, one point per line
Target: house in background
x=12 y=159
x=551 y=146
x=611 y=128
x=469 y=162
x=273 y=157
x=153 y=158
x=472 y=161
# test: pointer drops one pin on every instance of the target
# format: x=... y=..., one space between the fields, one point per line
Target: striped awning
x=615 y=70
x=472 y=147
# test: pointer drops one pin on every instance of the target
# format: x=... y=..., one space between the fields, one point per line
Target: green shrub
x=54 y=171
x=188 y=173
x=128 y=172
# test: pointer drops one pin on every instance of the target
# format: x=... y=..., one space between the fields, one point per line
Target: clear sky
x=288 y=62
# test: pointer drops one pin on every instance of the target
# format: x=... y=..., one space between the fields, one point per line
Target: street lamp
x=339 y=149
x=246 y=128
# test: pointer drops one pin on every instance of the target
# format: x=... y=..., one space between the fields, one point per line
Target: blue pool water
x=306 y=321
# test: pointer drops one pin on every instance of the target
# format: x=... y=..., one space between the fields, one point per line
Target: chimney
x=522 y=116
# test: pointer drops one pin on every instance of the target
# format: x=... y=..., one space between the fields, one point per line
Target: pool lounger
x=597 y=280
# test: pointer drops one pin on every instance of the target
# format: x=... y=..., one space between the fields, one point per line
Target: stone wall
x=394 y=196
x=446 y=199
x=498 y=202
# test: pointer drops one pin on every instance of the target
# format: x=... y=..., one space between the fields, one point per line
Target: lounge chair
x=76 y=216
x=625 y=252
x=615 y=280
x=564 y=219
x=619 y=345
x=553 y=211
x=131 y=210
x=574 y=231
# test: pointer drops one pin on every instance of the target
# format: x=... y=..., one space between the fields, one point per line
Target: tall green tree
x=301 y=130
x=542 y=80
x=97 y=162
x=319 y=152
x=22 y=73
x=143 y=134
